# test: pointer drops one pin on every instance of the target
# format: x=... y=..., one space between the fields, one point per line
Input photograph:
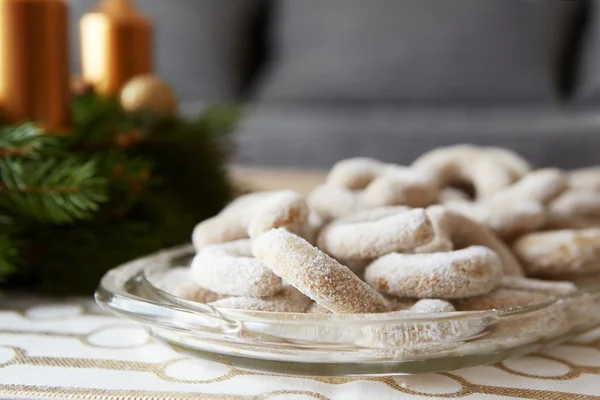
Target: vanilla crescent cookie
x=362 y=183
x=178 y=282
x=230 y=269
x=355 y=173
x=519 y=208
x=250 y=215
x=468 y=272
x=432 y=306
x=555 y=253
x=317 y=275
x=401 y=186
x=575 y=208
x=463 y=232
x=332 y=202
x=505 y=220
x=287 y=300
x=587 y=178
x=363 y=237
x=487 y=169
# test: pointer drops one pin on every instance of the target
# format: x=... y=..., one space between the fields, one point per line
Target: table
x=69 y=349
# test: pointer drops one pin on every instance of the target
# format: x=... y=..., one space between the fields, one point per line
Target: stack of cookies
x=463 y=228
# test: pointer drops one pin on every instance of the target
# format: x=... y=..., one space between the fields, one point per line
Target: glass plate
x=335 y=345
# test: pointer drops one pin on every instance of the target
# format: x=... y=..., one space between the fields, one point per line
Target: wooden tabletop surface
x=258 y=178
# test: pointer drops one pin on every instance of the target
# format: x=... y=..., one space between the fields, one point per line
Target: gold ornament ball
x=149 y=93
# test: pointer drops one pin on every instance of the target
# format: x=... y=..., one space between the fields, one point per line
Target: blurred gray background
x=328 y=79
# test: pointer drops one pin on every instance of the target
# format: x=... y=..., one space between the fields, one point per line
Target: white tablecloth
x=69 y=350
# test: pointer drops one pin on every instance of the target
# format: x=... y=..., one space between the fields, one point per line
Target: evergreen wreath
x=119 y=186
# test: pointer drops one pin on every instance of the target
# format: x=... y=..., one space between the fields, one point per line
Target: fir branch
x=24 y=140
x=151 y=181
x=51 y=191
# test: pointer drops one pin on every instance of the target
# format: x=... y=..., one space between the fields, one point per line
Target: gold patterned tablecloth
x=71 y=350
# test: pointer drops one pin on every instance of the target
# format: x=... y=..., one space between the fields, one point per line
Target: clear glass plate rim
x=113 y=295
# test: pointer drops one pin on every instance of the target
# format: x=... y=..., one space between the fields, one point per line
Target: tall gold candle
x=34 y=62
x=115 y=45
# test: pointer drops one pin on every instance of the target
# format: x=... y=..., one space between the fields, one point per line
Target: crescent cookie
x=555 y=253
x=575 y=208
x=315 y=274
x=251 y=215
x=519 y=208
x=463 y=232
x=178 y=282
x=230 y=269
x=287 y=300
x=353 y=238
x=362 y=183
x=469 y=272
x=587 y=178
x=488 y=169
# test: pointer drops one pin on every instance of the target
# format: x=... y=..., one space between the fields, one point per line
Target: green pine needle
x=118 y=187
x=51 y=191
x=24 y=140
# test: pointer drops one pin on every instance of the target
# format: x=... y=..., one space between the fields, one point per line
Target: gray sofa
x=329 y=79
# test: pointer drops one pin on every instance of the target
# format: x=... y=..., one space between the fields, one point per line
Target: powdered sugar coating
x=333 y=202
x=432 y=306
x=507 y=220
x=489 y=170
x=230 y=224
x=541 y=185
x=373 y=214
x=442 y=229
x=287 y=300
x=230 y=269
x=362 y=183
x=519 y=208
x=462 y=273
x=559 y=252
x=284 y=209
x=401 y=185
x=252 y=214
x=317 y=275
x=178 y=282
x=366 y=240
x=383 y=184
x=554 y=288
x=464 y=232
x=588 y=178
x=355 y=173
x=576 y=203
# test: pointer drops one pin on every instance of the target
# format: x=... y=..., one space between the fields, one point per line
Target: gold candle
x=34 y=62
x=115 y=45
